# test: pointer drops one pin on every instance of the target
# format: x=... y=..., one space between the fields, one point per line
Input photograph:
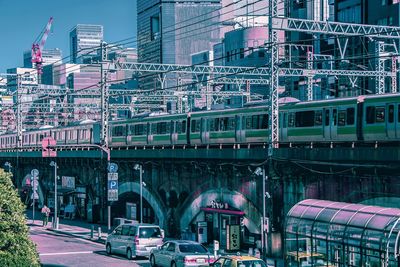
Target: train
x=362 y=119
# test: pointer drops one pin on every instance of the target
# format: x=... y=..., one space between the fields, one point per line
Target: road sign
x=48 y=152
x=112 y=167
x=112 y=186
x=34 y=172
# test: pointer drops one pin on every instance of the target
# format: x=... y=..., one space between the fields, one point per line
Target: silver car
x=134 y=239
x=180 y=253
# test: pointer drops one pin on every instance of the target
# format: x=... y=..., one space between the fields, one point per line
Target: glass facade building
x=85 y=41
x=326 y=233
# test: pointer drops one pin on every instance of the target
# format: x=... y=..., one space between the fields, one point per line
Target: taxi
x=238 y=261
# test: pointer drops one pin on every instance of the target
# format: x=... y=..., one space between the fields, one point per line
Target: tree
x=16 y=248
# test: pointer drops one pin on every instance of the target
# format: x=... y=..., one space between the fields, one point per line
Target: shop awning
x=223 y=211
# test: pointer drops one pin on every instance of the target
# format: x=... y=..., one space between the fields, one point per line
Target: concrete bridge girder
x=132 y=187
x=234 y=199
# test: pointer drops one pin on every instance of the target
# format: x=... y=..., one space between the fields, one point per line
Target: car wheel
x=173 y=264
x=129 y=254
x=153 y=261
x=108 y=249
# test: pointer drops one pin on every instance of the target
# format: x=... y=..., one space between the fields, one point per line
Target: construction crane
x=37 y=47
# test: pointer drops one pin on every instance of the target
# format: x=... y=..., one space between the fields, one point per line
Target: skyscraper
x=85 y=40
x=170 y=31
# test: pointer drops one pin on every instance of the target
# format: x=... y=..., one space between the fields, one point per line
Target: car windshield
x=192 y=248
x=251 y=263
x=148 y=232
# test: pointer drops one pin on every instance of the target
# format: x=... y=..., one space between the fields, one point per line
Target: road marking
x=65 y=253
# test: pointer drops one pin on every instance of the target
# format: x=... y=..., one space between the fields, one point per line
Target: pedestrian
x=45 y=213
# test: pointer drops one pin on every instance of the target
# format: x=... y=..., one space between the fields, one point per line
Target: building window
x=155 y=27
x=241 y=52
x=227 y=56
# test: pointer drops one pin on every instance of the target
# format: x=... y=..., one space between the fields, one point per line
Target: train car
x=320 y=121
x=245 y=125
x=167 y=129
x=381 y=117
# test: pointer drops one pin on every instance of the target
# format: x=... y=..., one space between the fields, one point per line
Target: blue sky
x=22 y=20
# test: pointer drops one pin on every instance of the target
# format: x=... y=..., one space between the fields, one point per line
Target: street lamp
x=139 y=167
x=55 y=221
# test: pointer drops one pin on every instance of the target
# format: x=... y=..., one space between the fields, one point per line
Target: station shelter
x=326 y=233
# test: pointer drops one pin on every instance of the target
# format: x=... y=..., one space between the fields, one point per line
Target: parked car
x=181 y=253
x=238 y=261
x=134 y=239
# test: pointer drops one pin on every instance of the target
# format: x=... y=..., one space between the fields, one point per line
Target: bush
x=16 y=248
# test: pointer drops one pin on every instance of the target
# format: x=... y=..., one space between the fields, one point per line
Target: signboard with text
x=112 y=187
x=233 y=237
x=68 y=182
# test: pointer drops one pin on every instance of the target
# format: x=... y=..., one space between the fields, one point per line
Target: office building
x=169 y=32
x=85 y=41
x=49 y=56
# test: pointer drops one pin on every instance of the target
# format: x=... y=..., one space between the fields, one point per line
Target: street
x=56 y=249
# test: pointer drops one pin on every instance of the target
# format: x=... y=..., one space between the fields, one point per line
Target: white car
x=134 y=239
x=181 y=253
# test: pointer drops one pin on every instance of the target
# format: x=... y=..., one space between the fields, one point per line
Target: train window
x=334 y=116
x=370 y=116
x=168 y=127
x=305 y=118
x=254 y=122
x=118 y=131
x=193 y=126
x=342 y=118
x=183 y=126
x=178 y=127
x=248 y=122
x=380 y=114
x=223 y=124
x=264 y=121
x=161 y=128
x=153 y=128
x=139 y=129
x=398 y=113
x=318 y=118
x=212 y=125
x=291 y=119
x=231 y=123
x=391 y=113
x=216 y=124
x=350 y=116
x=327 y=117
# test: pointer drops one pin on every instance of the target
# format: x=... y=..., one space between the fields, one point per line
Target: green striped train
x=373 y=118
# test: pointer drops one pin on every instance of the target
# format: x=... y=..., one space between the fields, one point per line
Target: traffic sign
x=112 y=167
x=34 y=172
x=112 y=186
x=48 y=152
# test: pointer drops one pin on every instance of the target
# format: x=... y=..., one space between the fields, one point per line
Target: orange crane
x=37 y=47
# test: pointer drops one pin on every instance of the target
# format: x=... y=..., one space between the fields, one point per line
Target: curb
x=96 y=240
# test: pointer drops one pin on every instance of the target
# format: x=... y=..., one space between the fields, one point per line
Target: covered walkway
x=326 y=233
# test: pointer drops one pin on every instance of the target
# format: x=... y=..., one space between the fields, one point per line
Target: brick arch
x=233 y=198
x=155 y=203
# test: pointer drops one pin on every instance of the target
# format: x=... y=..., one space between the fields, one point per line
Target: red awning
x=231 y=212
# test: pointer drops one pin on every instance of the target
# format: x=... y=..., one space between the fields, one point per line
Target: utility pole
x=273 y=117
x=19 y=111
x=104 y=96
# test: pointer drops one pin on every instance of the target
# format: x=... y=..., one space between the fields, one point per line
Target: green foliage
x=16 y=248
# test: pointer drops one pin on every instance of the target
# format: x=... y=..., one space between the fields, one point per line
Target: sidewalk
x=75 y=228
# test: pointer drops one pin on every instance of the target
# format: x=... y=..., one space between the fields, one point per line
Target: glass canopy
x=326 y=233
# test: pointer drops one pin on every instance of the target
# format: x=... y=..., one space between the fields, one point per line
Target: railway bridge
x=189 y=187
